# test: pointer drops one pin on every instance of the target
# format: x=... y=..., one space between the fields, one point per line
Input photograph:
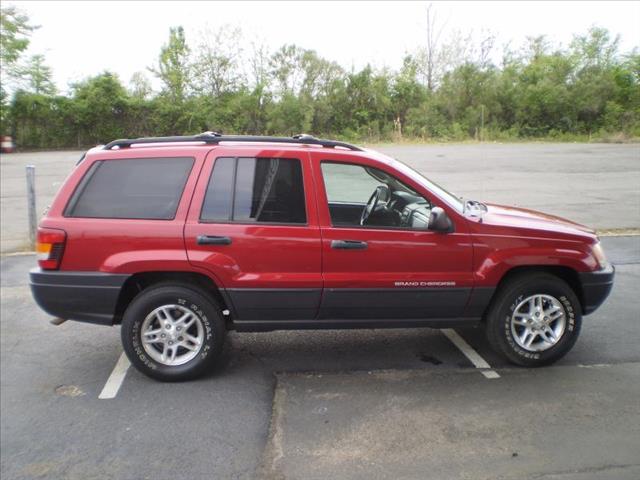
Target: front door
x=253 y=225
x=379 y=259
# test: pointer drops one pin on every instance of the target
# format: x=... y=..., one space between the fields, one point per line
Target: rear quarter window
x=140 y=188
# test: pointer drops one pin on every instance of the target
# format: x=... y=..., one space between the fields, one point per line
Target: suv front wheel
x=534 y=320
x=172 y=332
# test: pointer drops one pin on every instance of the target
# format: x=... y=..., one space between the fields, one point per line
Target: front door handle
x=213 y=240
x=348 y=244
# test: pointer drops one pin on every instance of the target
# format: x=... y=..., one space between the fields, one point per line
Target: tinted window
x=265 y=190
x=144 y=188
x=219 y=196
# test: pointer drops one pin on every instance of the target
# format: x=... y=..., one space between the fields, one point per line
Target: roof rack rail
x=215 y=138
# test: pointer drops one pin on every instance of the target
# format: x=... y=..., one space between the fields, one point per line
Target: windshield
x=448 y=197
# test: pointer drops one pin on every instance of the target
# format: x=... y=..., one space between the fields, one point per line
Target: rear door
x=385 y=271
x=253 y=225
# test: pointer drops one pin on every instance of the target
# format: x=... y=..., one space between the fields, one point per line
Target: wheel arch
x=141 y=281
x=567 y=274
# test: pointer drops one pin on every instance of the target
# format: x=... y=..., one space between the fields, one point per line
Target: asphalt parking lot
x=364 y=404
x=330 y=404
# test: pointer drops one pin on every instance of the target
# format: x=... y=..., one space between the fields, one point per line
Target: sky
x=80 y=39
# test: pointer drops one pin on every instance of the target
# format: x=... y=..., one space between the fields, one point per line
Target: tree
x=39 y=76
x=100 y=105
x=140 y=86
x=258 y=99
x=14 y=36
x=173 y=67
x=14 y=40
x=622 y=112
x=537 y=47
x=543 y=100
x=216 y=67
x=595 y=49
x=466 y=97
x=537 y=90
x=594 y=56
x=431 y=55
x=318 y=74
x=286 y=69
x=363 y=106
x=406 y=92
x=259 y=65
x=439 y=55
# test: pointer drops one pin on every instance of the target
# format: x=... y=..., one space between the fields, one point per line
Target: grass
x=618 y=232
x=504 y=137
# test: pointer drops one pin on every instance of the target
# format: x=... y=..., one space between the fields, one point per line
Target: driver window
x=361 y=196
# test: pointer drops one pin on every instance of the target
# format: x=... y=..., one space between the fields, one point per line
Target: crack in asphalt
x=273 y=451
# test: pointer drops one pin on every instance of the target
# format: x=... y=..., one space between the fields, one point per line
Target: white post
x=31 y=203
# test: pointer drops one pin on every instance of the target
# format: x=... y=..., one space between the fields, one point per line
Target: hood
x=522 y=218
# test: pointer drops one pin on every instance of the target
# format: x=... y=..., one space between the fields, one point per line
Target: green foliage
x=100 y=105
x=39 y=76
x=140 y=86
x=586 y=91
x=173 y=66
x=14 y=40
x=215 y=70
x=42 y=120
x=14 y=35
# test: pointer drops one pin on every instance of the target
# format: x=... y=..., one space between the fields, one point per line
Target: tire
x=514 y=319
x=177 y=314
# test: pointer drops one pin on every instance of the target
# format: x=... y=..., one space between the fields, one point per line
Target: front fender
x=492 y=263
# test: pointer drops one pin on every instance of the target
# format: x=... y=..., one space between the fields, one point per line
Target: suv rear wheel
x=172 y=332
x=534 y=320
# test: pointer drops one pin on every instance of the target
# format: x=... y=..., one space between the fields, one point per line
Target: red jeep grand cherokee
x=183 y=238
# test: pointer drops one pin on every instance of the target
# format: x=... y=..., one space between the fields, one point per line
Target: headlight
x=599 y=255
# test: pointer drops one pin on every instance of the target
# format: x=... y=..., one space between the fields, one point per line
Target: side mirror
x=439 y=221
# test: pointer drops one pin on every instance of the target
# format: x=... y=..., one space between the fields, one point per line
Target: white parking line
x=116 y=378
x=468 y=351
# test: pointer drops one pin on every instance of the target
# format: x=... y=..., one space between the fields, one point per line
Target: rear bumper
x=596 y=287
x=85 y=296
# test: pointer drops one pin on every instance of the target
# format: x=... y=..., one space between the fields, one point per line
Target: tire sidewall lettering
x=136 y=336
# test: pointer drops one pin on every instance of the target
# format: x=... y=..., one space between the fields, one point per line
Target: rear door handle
x=348 y=244
x=213 y=240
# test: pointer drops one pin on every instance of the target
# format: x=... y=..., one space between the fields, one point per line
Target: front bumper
x=86 y=296
x=596 y=287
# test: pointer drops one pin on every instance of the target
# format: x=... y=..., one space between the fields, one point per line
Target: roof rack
x=215 y=138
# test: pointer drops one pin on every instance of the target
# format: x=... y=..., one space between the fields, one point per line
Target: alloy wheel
x=538 y=322
x=172 y=335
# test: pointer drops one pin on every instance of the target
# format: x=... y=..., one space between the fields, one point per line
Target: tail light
x=49 y=247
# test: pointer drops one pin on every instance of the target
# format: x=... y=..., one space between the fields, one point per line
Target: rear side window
x=248 y=190
x=217 y=203
x=140 y=188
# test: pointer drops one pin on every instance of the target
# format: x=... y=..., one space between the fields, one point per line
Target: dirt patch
x=69 y=391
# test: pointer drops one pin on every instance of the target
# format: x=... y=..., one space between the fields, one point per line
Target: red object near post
x=6 y=145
